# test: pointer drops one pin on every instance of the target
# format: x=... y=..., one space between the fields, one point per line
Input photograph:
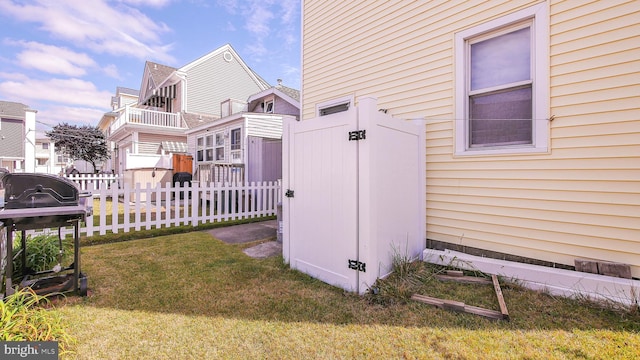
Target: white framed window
x=236 y=139
x=200 y=149
x=220 y=146
x=208 y=146
x=62 y=159
x=334 y=106
x=236 y=146
x=502 y=87
x=268 y=107
x=45 y=146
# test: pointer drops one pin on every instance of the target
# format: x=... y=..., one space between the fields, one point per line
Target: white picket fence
x=93 y=181
x=163 y=206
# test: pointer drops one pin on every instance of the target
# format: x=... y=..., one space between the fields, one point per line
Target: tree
x=80 y=143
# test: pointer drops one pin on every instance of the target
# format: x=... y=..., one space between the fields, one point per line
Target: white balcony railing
x=147 y=117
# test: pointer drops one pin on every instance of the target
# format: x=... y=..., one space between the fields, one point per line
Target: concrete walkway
x=244 y=233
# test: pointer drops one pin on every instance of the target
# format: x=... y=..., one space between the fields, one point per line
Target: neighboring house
x=48 y=160
x=245 y=145
x=148 y=135
x=17 y=137
x=531 y=109
x=45 y=157
x=123 y=99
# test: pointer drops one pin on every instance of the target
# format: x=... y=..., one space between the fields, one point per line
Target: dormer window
x=268 y=107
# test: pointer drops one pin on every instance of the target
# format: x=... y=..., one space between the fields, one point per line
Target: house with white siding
x=17 y=137
x=531 y=115
x=245 y=144
x=148 y=134
x=48 y=160
x=123 y=98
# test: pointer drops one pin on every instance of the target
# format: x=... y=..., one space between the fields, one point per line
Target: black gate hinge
x=357 y=135
x=357 y=265
x=289 y=193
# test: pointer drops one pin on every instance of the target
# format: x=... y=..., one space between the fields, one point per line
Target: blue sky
x=65 y=58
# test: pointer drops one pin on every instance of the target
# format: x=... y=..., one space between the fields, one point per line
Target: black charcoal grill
x=39 y=201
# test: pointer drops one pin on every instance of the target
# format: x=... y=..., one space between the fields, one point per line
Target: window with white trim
x=268 y=107
x=502 y=85
x=200 y=149
x=208 y=148
x=236 y=145
x=220 y=146
x=236 y=139
x=62 y=159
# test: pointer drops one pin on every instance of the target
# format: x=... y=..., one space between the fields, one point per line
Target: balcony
x=145 y=117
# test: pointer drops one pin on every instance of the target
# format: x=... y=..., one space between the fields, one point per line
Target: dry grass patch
x=189 y=296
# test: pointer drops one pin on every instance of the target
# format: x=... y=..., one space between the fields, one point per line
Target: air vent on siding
x=227 y=56
x=334 y=109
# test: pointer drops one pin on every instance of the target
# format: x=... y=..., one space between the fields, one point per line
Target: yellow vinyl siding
x=580 y=200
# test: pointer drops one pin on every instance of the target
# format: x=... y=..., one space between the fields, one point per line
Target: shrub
x=24 y=318
x=43 y=252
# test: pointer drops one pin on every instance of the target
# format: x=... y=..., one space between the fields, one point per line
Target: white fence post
x=195 y=200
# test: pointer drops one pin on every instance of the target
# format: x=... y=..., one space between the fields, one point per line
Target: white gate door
x=320 y=210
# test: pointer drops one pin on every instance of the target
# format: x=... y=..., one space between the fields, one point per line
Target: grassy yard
x=189 y=296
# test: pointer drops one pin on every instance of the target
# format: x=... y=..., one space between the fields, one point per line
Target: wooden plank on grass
x=457 y=273
x=503 y=305
x=464 y=279
x=457 y=306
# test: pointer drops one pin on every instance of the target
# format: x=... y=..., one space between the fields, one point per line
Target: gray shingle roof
x=128 y=91
x=159 y=72
x=192 y=120
x=12 y=109
x=293 y=93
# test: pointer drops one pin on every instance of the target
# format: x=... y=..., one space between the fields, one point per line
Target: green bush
x=23 y=317
x=43 y=252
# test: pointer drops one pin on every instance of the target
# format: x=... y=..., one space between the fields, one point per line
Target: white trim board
x=567 y=283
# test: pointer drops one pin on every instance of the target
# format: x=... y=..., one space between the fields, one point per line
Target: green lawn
x=189 y=296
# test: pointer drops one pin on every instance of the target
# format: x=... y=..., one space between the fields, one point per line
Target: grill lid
x=26 y=190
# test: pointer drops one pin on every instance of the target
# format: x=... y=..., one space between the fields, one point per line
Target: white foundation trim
x=561 y=282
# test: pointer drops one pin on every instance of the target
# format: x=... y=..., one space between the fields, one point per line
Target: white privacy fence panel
x=354 y=184
x=121 y=210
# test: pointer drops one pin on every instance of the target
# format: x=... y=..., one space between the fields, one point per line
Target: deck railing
x=147 y=117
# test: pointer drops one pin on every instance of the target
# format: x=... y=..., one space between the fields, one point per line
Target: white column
x=30 y=140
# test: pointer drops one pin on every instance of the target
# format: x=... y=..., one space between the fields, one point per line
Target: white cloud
x=116 y=29
x=290 y=70
x=55 y=115
x=52 y=59
x=266 y=20
x=291 y=75
x=63 y=91
x=289 y=9
x=258 y=18
x=13 y=76
x=152 y=3
x=231 y=6
x=111 y=71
